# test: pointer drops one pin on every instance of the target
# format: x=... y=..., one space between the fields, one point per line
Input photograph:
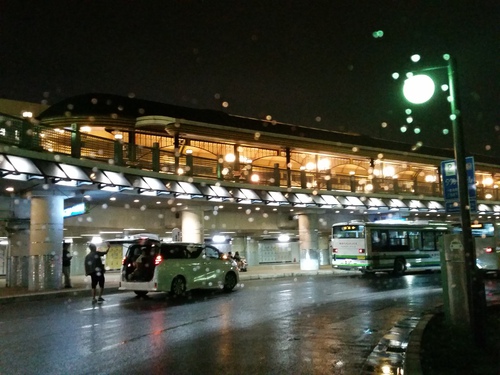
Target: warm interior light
x=310 y=166
x=230 y=158
x=389 y=171
x=255 y=178
x=488 y=181
x=323 y=164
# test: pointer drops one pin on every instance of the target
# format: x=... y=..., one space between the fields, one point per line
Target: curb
x=412 y=363
x=41 y=296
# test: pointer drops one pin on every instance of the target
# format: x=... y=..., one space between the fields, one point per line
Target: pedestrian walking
x=95 y=269
x=66 y=262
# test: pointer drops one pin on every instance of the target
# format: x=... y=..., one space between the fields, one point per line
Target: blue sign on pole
x=450 y=185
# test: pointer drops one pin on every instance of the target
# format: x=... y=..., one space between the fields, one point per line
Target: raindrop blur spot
x=415 y=58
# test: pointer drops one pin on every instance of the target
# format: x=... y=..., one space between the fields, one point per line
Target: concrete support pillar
x=252 y=251
x=308 y=238
x=46 y=237
x=192 y=226
x=19 y=244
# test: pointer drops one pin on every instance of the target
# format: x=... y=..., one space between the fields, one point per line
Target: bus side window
x=398 y=241
x=414 y=237
x=428 y=241
x=375 y=238
x=379 y=240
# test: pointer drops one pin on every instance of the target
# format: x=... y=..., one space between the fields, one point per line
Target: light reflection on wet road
x=307 y=325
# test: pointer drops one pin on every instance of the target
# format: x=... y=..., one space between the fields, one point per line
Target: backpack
x=90 y=263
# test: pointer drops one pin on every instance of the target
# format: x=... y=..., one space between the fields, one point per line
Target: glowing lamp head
x=418 y=89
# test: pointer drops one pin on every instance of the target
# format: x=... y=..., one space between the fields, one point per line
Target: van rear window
x=172 y=251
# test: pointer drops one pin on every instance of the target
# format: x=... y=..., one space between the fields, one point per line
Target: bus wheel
x=399 y=267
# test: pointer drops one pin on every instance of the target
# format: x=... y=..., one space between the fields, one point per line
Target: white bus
x=388 y=246
x=487 y=242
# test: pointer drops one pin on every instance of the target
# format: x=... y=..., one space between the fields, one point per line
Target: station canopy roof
x=23 y=169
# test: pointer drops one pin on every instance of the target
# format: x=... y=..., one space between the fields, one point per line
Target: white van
x=176 y=267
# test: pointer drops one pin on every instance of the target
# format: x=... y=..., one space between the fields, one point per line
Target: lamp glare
x=418 y=89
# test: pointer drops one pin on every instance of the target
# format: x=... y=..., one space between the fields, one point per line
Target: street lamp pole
x=418 y=89
x=475 y=296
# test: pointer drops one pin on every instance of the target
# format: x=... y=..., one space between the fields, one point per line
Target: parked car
x=176 y=268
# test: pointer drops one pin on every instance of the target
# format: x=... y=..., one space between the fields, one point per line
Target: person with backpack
x=95 y=269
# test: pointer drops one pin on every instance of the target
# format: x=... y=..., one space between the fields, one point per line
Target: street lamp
x=418 y=89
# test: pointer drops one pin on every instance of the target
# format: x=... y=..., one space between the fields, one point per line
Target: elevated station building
x=266 y=189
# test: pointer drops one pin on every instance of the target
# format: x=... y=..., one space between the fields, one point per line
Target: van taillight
x=488 y=249
x=335 y=250
x=158 y=260
x=361 y=251
x=123 y=260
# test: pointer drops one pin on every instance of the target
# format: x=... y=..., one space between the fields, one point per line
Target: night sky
x=310 y=63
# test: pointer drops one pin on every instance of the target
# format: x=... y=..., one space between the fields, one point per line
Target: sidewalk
x=81 y=284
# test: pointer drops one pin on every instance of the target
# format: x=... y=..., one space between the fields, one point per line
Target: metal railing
x=79 y=144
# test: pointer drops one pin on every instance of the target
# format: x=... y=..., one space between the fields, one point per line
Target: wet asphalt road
x=303 y=325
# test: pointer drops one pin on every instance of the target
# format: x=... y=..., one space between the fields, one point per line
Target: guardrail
x=78 y=144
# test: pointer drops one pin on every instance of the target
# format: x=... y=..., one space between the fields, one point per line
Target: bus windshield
x=348 y=231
